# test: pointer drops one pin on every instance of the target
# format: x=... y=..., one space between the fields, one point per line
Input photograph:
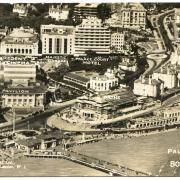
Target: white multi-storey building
x=92 y=35
x=58 y=12
x=148 y=87
x=21 y=9
x=21 y=41
x=117 y=42
x=128 y=15
x=57 y=39
x=167 y=75
x=104 y=82
x=133 y=15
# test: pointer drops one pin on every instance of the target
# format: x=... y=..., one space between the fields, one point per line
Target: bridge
x=101 y=165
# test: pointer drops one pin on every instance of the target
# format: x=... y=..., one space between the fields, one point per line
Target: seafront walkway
x=101 y=165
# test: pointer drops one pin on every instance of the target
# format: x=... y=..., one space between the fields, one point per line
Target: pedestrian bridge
x=101 y=165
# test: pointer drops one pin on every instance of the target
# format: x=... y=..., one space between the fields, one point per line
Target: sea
x=145 y=153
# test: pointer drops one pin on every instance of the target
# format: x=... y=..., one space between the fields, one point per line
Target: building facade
x=18 y=71
x=21 y=9
x=58 y=12
x=171 y=112
x=128 y=65
x=78 y=78
x=166 y=75
x=104 y=105
x=128 y=15
x=57 y=39
x=92 y=35
x=117 y=42
x=83 y=10
x=24 y=97
x=104 y=82
x=177 y=25
x=148 y=87
x=21 y=41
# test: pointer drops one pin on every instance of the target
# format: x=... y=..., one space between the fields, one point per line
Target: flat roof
x=81 y=75
x=165 y=70
x=116 y=97
x=20 y=89
x=146 y=81
x=88 y=5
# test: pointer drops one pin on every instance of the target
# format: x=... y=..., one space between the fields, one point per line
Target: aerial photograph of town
x=89 y=89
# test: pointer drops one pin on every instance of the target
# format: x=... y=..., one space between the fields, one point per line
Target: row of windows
x=19 y=100
x=105 y=84
x=174 y=114
x=24 y=95
x=93 y=45
x=23 y=51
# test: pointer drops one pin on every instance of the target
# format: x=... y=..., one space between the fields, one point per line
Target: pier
x=101 y=165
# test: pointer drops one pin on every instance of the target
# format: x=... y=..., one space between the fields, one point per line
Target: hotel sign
x=15 y=91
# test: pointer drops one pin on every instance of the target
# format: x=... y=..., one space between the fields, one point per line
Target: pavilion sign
x=16 y=91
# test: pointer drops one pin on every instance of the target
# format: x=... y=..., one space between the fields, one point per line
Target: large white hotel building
x=57 y=39
x=92 y=35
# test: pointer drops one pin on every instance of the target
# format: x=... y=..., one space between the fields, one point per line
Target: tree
x=90 y=53
x=103 y=11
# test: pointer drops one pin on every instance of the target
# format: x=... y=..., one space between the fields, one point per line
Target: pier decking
x=101 y=165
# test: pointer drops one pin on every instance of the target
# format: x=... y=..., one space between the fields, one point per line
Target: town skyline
x=89 y=89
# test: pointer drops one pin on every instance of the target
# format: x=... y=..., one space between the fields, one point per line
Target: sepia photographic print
x=89 y=89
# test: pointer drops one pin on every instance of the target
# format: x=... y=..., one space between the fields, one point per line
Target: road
x=37 y=120
x=152 y=64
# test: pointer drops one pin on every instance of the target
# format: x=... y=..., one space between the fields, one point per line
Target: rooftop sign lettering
x=16 y=91
x=17 y=62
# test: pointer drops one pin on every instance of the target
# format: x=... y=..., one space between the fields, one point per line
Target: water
x=147 y=153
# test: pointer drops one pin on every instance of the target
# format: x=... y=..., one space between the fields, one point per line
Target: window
x=65 y=46
x=50 y=45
